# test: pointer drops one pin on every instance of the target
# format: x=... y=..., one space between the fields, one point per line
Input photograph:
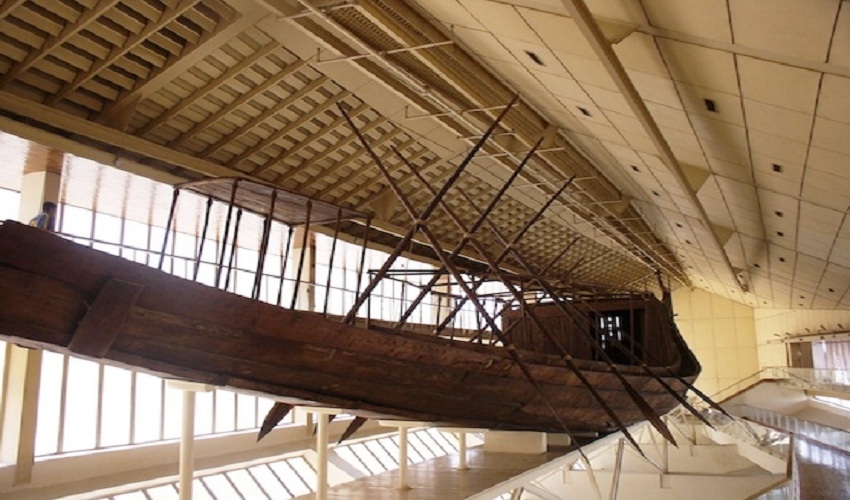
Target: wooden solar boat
x=622 y=355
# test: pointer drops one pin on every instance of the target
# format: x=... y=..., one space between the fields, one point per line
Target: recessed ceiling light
x=756 y=265
x=710 y=105
x=635 y=168
x=534 y=57
x=656 y=193
x=779 y=213
x=780 y=233
x=781 y=259
x=584 y=111
x=777 y=168
x=831 y=290
x=679 y=224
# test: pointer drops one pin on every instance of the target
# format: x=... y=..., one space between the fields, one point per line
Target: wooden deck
x=440 y=478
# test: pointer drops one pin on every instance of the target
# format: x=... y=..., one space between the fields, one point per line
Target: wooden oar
x=425 y=213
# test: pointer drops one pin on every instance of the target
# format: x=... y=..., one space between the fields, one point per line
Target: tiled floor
x=822 y=472
x=440 y=479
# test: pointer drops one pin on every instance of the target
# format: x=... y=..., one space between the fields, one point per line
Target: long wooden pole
x=226 y=232
x=475 y=226
x=331 y=260
x=168 y=224
x=302 y=255
x=653 y=417
x=417 y=219
x=564 y=354
x=264 y=246
x=522 y=232
x=442 y=255
x=203 y=238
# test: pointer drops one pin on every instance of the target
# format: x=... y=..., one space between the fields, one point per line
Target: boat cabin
x=629 y=330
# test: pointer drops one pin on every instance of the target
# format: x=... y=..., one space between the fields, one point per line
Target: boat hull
x=61 y=296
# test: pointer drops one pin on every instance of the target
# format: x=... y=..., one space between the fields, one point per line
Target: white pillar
x=187 y=446
x=461 y=439
x=187 y=434
x=322 y=457
x=402 y=458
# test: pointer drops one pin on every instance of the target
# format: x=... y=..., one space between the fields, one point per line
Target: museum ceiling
x=704 y=139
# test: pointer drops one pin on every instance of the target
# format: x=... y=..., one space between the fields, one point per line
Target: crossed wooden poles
x=420 y=225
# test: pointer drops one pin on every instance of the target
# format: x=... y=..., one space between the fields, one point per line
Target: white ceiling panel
x=778 y=84
x=562 y=86
x=586 y=70
x=827 y=190
x=703 y=18
x=501 y=19
x=782 y=150
x=560 y=32
x=453 y=13
x=727 y=107
x=485 y=43
x=627 y=11
x=834 y=101
x=840 y=52
x=656 y=90
x=666 y=116
x=608 y=99
x=639 y=52
x=829 y=161
x=831 y=135
x=791 y=125
x=700 y=66
x=736 y=171
x=799 y=29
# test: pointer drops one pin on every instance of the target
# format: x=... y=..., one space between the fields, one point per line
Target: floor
x=822 y=472
x=439 y=478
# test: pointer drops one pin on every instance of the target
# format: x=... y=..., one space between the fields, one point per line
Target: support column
x=402 y=426
x=22 y=373
x=187 y=434
x=402 y=458
x=322 y=457
x=187 y=446
x=321 y=415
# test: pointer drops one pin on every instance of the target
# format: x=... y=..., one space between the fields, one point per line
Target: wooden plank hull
x=55 y=293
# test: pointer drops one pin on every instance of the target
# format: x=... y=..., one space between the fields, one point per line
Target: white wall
x=773 y=322
x=722 y=335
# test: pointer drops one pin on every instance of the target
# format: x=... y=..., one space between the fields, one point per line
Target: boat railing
x=380 y=306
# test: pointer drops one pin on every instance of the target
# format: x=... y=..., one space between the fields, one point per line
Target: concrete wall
x=722 y=335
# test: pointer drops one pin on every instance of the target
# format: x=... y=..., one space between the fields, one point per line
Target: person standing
x=47 y=218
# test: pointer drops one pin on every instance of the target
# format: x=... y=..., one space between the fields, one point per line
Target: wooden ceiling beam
x=9 y=6
x=356 y=175
x=100 y=133
x=351 y=158
x=237 y=103
x=347 y=140
x=119 y=51
x=310 y=139
x=70 y=29
x=212 y=85
x=282 y=132
x=265 y=115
